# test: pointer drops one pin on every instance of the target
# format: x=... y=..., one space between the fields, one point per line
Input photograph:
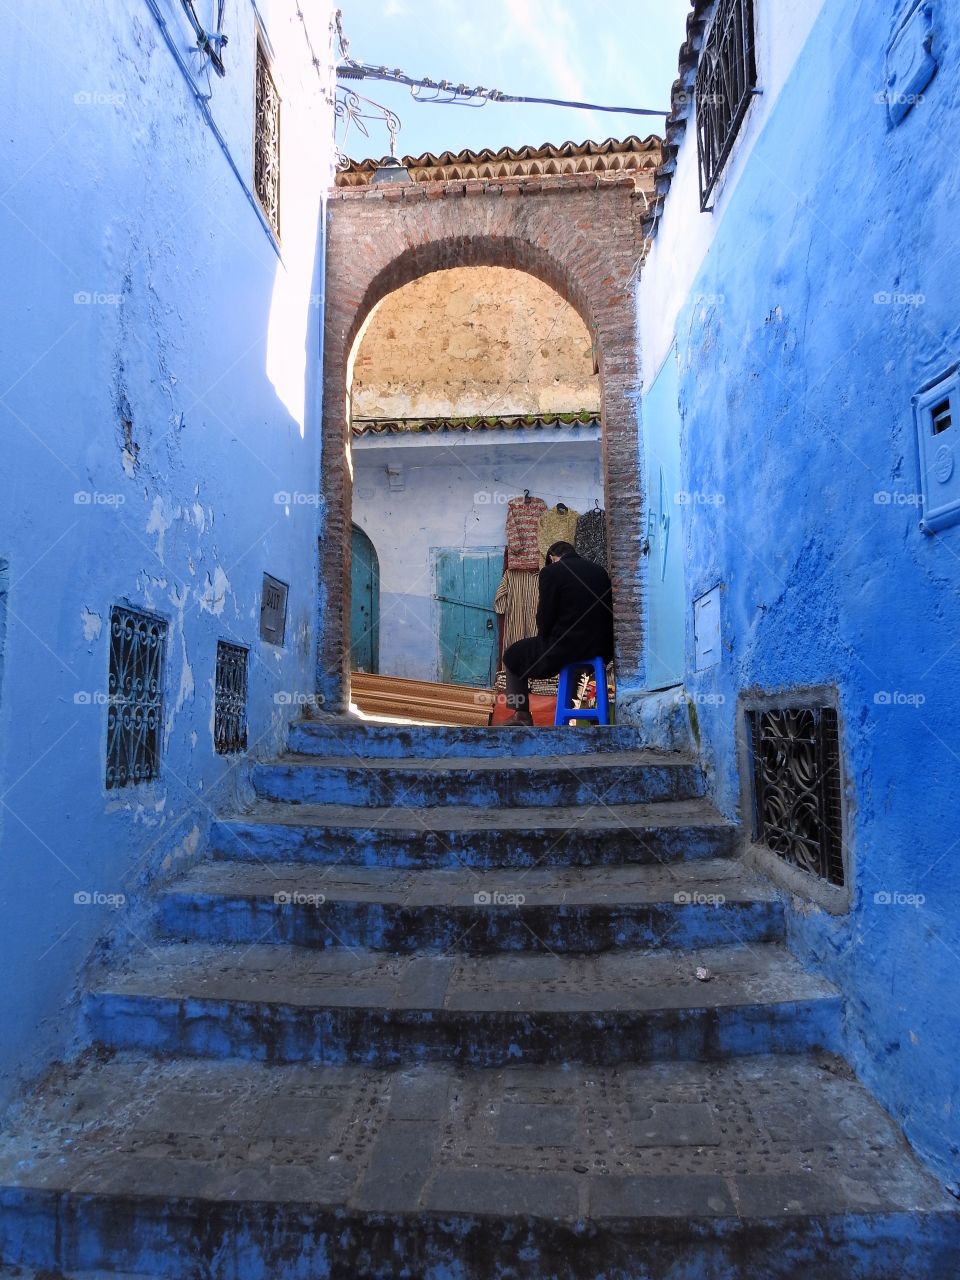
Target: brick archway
x=576 y=233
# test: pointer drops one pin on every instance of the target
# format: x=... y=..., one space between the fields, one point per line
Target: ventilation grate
x=230 y=709
x=796 y=787
x=135 y=709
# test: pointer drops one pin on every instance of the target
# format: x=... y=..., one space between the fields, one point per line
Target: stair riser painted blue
x=467 y=929
x=212 y=1028
x=390 y=742
x=509 y=788
x=281 y=842
x=255 y=1241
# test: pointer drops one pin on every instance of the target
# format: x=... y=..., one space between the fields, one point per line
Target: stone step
x=762 y=1167
x=452 y=836
x=295 y=1004
x=608 y=778
x=340 y=736
x=580 y=910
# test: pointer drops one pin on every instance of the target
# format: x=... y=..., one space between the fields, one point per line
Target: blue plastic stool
x=566 y=685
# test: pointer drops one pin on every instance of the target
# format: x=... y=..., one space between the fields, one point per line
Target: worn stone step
x=579 y=909
x=454 y=836
x=294 y=1004
x=763 y=1167
x=607 y=778
x=337 y=736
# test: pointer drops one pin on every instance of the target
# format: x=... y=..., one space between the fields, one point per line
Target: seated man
x=574 y=623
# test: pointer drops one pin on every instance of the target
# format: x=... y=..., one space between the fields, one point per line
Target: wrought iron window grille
x=266 y=142
x=135 y=701
x=230 y=702
x=273 y=610
x=797 y=789
x=726 y=81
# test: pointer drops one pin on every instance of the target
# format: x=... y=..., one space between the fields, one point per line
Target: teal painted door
x=467 y=581
x=664 y=629
x=364 y=605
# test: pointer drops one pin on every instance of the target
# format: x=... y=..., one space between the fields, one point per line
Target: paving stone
x=676 y=1124
x=537 y=1124
x=401 y=1163
x=501 y=1192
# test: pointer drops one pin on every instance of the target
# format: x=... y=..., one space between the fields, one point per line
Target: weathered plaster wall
x=159 y=390
x=453 y=496
x=473 y=340
x=825 y=300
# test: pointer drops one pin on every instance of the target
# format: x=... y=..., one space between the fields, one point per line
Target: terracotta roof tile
x=495 y=422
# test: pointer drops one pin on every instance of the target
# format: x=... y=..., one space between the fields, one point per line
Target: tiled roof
x=681 y=104
x=494 y=422
x=617 y=156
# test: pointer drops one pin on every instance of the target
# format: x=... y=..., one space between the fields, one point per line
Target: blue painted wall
x=159 y=362
x=797 y=372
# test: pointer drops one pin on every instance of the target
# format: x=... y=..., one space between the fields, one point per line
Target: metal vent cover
x=273 y=610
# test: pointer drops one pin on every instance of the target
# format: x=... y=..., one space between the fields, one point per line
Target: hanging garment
x=556 y=526
x=591 y=537
x=523 y=520
x=517 y=598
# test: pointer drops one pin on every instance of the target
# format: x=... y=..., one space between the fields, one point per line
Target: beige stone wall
x=473 y=340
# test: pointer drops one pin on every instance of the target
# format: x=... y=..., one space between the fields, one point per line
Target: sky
x=613 y=52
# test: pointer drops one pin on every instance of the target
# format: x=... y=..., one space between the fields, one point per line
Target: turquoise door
x=364 y=605
x=664 y=630
x=467 y=581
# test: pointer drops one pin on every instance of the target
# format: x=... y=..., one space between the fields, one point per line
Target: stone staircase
x=463 y=1003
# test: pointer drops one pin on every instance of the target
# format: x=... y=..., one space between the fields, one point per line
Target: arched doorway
x=364 y=604
x=576 y=235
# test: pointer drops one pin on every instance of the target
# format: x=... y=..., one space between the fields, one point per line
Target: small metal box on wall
x=936 y=409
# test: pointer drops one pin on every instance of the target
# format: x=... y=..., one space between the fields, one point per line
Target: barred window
x=726 y=81
x=797 y=789
x=266 y=142
x=230 y=707
x=135 y=707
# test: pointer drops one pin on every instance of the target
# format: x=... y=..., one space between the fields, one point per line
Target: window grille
x=230 y=707
x=273 y=610
x=796 y=787
x=726 y=81
x=135 y=701
x=266 y=142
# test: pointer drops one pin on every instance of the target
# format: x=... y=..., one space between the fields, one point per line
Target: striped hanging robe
x=517 y=598
x=523 y=521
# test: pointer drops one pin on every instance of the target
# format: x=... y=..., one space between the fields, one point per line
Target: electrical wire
x=210 y=44
x=462 y=95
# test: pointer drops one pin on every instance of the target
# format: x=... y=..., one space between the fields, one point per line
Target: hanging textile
x=591 y=537
x=517 y=598
x=523 y=520
x=556 y=526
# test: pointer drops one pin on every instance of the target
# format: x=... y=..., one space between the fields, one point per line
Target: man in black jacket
x=574 y=623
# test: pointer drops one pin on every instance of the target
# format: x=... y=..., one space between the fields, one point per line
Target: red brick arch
x=577 y=235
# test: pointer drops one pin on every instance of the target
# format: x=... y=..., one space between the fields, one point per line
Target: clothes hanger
x=596 y=504
x=526 y=495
